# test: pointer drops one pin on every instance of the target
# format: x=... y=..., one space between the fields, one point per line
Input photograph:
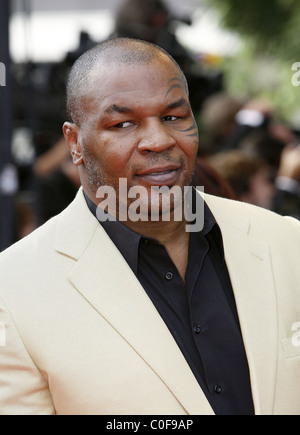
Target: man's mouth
x=166 y=176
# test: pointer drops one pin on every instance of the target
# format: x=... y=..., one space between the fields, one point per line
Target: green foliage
x=270 y=33
x=251 y=76
x=272 y=25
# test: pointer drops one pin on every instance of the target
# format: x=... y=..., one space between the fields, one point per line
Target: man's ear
x=71 y=133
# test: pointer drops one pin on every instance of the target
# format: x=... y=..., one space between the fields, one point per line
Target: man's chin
x=159 y=205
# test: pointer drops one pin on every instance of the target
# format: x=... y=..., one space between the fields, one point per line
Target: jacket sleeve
x=23 y=389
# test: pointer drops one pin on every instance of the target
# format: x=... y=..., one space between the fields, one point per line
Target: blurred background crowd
x=238 y=59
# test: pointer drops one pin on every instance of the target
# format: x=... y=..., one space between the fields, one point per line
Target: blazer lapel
x=250 y=270
x=104 y=279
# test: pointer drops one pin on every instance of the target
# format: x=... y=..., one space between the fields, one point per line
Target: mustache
x=161 y=159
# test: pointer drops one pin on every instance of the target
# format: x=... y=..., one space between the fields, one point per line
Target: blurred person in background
x=279 y=150
x=212 y=181
x=152 y=21
x=261 y=145
x=249 y=177
x=253 y=130
x=228 y=123
x=217 y=122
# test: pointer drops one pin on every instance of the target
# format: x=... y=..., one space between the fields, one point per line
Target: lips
x=160 y=176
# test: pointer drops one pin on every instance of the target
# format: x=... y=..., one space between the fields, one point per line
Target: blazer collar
x=75 y=228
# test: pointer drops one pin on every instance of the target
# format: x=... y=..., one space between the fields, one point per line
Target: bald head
x=111 y=52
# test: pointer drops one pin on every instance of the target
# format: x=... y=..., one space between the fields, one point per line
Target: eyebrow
x=177 y=104
x=118 y=109
x=127 y=110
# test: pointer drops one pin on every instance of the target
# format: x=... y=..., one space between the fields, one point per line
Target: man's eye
x=123 y=125
x=170 y=118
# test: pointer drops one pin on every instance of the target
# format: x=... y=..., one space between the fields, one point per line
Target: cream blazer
x=79 y=335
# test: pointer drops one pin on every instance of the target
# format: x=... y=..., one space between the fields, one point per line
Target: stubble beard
x=96 y=177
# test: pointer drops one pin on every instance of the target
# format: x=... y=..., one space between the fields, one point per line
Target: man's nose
x=155 y=137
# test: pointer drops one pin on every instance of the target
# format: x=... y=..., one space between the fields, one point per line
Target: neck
x=164 y=232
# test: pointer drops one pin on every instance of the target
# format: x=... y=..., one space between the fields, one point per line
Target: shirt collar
x=128 y=241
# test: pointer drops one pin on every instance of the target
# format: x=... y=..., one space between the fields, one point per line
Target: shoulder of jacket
x=262 y=220
x=28 y=251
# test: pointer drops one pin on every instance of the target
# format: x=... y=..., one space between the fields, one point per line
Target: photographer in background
x=151 y=20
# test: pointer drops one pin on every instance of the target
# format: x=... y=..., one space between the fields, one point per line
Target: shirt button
x=197 y=329
x=169 y=276
x=218 y=389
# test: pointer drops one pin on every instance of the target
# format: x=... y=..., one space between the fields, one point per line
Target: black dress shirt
x=201 y=313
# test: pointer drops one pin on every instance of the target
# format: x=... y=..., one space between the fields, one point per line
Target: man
x=142 y=316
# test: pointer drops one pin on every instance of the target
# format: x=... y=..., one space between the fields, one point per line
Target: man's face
x=139 y=126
